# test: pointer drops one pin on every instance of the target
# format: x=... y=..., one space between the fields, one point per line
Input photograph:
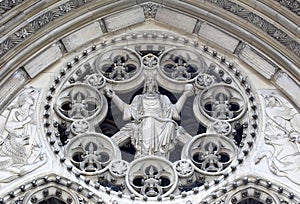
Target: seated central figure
x=152 y=130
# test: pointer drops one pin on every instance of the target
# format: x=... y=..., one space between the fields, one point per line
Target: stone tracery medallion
x=152 y=123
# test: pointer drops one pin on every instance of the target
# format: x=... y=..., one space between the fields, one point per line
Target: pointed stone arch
x=240 y=36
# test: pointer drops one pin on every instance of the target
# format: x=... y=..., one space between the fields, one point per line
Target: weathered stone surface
x=124 y=19
x=82 y=36
x=219 y=37
x=288 y=86
x=223 y=121
x=281 y=132
x=12 y=85
x=43 y=60
x=176 y=19
x=257 y=61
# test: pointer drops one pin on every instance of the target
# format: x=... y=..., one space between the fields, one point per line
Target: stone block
x=82 y=36
x=258 y=61
x=43 y=60
x=124 y=19
x=11 y=86
x=219 y=37
x=287 y=85
x=175 y=19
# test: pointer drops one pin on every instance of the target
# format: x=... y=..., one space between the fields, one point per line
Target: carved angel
x=19 y=152
x=283 y=134
x=284 y=115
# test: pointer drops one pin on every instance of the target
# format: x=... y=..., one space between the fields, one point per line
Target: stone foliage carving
x=150 y=10
x=20 y=150
x=283 y=134
x=7 y=5
x=36 y=24
x=278 y=34
x=292 y=5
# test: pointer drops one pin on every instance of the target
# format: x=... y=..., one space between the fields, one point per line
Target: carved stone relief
x=292 y=5
x=210 y=153
x=37 y=23
x=150 y=121
x=251 y=190
x=20 y=149
x=282 y=132
x=7 y=5
x=150 y=10
x=135 y=122
x=147 y=116
x=53 y=188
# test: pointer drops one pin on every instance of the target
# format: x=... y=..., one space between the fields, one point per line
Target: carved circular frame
x=231 y=69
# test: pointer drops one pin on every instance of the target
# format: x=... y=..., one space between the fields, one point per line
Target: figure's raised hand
x=109 y=92
x=188 y=90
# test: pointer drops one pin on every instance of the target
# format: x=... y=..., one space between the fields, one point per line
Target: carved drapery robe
x=153 y=130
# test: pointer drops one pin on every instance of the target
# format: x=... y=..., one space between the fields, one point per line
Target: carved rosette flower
x=79 y=127
x=150 y=61
x=204 y=80
x=96 y=80
x=184 y=168
x=222 y=127
x=118 y=168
